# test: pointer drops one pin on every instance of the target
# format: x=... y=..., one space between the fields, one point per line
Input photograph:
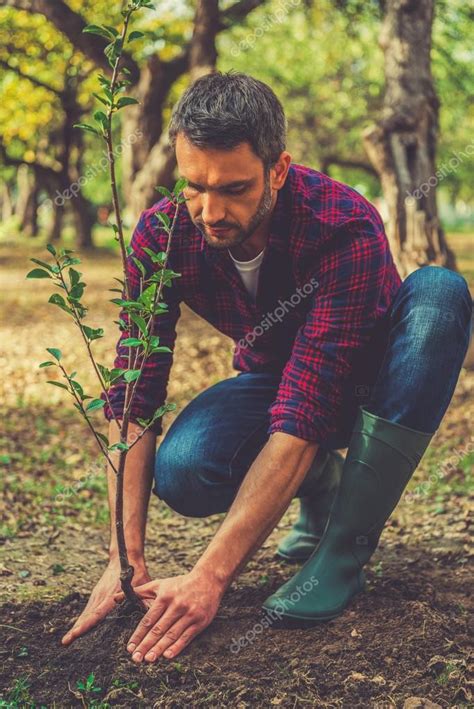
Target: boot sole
x=292 y=559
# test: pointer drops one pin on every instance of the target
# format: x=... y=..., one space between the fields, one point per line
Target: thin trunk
x=402 y=146
x=84 y=220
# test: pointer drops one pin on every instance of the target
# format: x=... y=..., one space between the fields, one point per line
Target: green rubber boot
x=318 y=493
x=381 y=459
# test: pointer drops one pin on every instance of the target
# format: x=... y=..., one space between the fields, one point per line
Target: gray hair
x=222 y=110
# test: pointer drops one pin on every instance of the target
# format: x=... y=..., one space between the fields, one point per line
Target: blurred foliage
x=322 y=59
x=327 y=69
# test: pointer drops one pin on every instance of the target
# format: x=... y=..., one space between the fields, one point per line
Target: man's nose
x=213 y=211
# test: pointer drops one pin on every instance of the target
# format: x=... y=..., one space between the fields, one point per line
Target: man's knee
x=439 y=301
x=440 y=286
x=183 y=478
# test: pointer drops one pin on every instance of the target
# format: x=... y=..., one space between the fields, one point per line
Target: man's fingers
x=151 y=628
x=184 y=639
x=86 y=621
x=180 y=632
x=142 y=589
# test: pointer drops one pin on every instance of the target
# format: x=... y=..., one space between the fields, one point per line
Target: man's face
x=227 y=191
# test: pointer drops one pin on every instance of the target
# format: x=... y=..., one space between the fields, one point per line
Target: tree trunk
x=6 y=202
x=402 y=146
x=150 y=161
x=27 y=201
x=84 y=219
x=54 y=234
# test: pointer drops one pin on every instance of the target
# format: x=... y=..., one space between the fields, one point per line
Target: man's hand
x=101 y=601
x=179 y=608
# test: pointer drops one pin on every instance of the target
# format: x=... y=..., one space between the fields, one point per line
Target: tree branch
x=237 y=12
x=33 y=79
x=329 y=160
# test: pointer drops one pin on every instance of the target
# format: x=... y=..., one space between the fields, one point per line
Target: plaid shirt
x=326 y=280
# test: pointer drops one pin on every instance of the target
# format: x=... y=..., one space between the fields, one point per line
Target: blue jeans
x=407 y=375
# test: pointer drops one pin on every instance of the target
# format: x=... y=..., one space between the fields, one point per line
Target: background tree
x=170 y=49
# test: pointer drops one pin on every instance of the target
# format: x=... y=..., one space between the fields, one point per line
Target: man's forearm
x=138 y=476
x=263 y=497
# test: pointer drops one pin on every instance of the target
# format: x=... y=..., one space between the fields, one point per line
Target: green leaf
x=180 y=185
x=74 y=276
x=77 y=291
x=119 y=447
x=135 y=35
x=161 y=349
x=78 y=388
x=68 y=261
x=131 y=375
x=164 y=219
x=112 y=30
x=103 y=438
x=58 y=384
x=132 y=342
x=38 y=273
x=105 y=101
x=51 y=249
x=139 y=265
x=47 y=364
x=94 y=405
x=112 y=51
x=86 y=127
x=43 y=264
x=102 y=119
x=165 y=192
x=58 y=300
x=99 y=30
x=139 y=322
x=53 y=351
x=93 y=333
x=126 y=101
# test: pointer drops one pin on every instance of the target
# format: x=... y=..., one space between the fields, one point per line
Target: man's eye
x=239 y=190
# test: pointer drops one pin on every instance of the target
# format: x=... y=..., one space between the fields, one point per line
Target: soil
x=406 y=637
x=403 y=643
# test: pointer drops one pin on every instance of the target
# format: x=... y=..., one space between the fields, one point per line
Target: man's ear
x=279 y=171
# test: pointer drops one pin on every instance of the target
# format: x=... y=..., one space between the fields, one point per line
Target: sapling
x=137 y=315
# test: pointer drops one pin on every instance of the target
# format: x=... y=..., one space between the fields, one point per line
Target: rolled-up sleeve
x=351 y=296
x=151 y=390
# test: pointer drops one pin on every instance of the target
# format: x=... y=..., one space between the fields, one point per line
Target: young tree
x=137 y=314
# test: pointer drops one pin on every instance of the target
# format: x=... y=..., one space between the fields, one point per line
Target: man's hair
x=222 y=110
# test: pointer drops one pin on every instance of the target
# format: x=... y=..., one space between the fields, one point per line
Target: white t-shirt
x=249 y=272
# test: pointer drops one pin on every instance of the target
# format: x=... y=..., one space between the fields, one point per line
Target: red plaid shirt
x=326 y=280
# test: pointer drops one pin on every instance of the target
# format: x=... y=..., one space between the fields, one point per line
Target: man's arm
x=181 y=607
x=265 y=494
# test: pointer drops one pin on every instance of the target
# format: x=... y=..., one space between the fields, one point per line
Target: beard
x=239 y=234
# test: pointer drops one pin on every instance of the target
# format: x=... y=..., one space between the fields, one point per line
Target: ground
x=404 y=643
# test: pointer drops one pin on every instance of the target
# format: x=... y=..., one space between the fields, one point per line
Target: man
x=332 y=351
